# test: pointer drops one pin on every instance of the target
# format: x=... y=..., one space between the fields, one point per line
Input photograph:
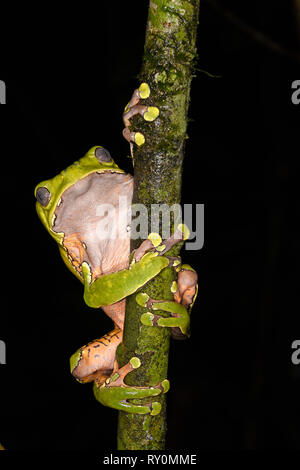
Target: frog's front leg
x=148 y=261
x=115 y=393
x=149 y=113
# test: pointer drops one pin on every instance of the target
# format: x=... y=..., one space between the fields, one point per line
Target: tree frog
x=81 y=210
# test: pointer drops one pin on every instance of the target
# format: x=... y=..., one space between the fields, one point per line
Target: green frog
x=80 y=209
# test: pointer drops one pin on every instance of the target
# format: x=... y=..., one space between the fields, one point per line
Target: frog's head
x=67 y=204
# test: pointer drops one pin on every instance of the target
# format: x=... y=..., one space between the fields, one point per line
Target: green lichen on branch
x=169 y=54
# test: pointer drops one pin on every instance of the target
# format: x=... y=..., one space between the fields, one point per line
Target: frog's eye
x=43 y=196
x=103 y=155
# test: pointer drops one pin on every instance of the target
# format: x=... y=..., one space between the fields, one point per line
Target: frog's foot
x=179 y=318
x=149 y=113
x=154 y=242
x=185 y=292
x=115 y=393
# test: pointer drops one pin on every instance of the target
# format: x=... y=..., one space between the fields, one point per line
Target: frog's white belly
x=96 y=212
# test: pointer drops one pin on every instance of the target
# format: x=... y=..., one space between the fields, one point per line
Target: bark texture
x=170 y=50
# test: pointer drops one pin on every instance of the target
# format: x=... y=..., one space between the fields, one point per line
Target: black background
x=68 y=77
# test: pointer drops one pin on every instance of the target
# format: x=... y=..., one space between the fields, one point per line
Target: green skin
x=111 y=288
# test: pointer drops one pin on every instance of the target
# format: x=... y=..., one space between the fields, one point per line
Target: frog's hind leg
x=185 y=293
x=116 y=394
x=96 y=359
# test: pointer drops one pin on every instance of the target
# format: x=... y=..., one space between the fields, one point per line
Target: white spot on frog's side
x=86 y=270
x=59 y=202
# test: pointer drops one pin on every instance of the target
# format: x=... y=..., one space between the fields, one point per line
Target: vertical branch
x=170 y=49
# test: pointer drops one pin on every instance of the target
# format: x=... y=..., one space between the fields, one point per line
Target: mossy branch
x=170 y=50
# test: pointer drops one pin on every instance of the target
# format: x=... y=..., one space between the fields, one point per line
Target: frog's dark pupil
x=102 y=154
x=43 y=196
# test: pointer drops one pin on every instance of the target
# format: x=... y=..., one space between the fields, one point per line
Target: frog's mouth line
x=82 y=212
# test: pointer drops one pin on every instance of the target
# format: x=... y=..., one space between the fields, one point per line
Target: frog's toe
x=136 y=137
x=144 y=90
x=147 y=319
x=142 y=298
x=151 y=113
x=165 y=385
x=139 y=138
